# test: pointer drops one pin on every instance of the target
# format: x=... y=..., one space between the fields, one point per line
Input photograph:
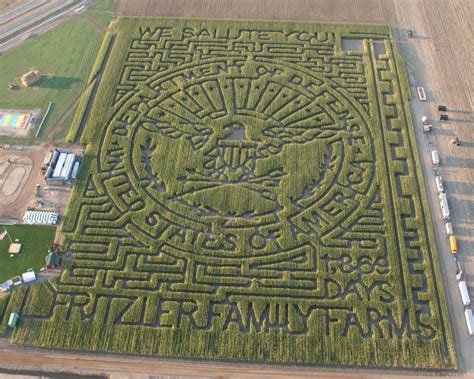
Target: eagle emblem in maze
x=242 y=187
x=252 y=193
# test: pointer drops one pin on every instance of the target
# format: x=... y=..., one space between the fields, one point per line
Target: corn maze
x=251 y=191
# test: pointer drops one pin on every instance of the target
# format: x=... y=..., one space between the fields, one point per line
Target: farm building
x=40 y=217
x=16 y=280
x=28 y=276
x=30 y=78
x=63 y=167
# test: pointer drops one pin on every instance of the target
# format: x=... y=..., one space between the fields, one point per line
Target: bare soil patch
x=19 y=172
x=14 y=173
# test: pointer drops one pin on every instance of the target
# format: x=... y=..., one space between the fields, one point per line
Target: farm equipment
x=443 y=117
x=426 y=127
x=455 y=141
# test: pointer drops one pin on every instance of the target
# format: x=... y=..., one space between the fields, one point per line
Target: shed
x=14 y=248
x=12 y=321
x=16 y=280
x=28 y=276
x=30 y=78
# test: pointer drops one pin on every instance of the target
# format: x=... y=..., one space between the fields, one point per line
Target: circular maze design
x=220 y=154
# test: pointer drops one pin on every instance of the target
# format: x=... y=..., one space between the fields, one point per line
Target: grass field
x=102 y=10
x=250 y=191
x=35 y=240
x=65 y=67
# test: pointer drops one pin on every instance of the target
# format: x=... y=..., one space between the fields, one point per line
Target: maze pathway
x=252 y=192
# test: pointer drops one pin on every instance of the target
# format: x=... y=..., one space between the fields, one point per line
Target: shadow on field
x=463 y=232
x=458 y=162
x=467 y=144
x=459 y=120
x=461 y=188
x=445 y=132
x=460 y=111
x=57 y=82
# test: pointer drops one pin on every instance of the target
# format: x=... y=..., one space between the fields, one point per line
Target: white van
x=449 y=229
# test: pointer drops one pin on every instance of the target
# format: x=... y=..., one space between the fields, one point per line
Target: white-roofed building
x=40 y=217
x=63 y=167
x=28 y=276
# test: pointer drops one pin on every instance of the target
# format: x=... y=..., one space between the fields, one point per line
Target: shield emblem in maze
x=215 y=149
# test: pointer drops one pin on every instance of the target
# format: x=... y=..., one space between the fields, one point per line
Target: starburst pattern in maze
x=252 y=194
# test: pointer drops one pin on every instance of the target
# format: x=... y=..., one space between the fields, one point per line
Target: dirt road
x=440 y=59
x=134 y=367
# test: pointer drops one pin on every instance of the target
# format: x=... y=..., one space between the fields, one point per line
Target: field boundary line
x=96 y=82
x=43 y=119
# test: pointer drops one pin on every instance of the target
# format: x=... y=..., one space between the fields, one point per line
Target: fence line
x=43 y=120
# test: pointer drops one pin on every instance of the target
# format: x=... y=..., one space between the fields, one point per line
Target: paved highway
x=17 y=29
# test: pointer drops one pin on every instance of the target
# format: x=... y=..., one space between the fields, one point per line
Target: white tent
x=40 y=217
